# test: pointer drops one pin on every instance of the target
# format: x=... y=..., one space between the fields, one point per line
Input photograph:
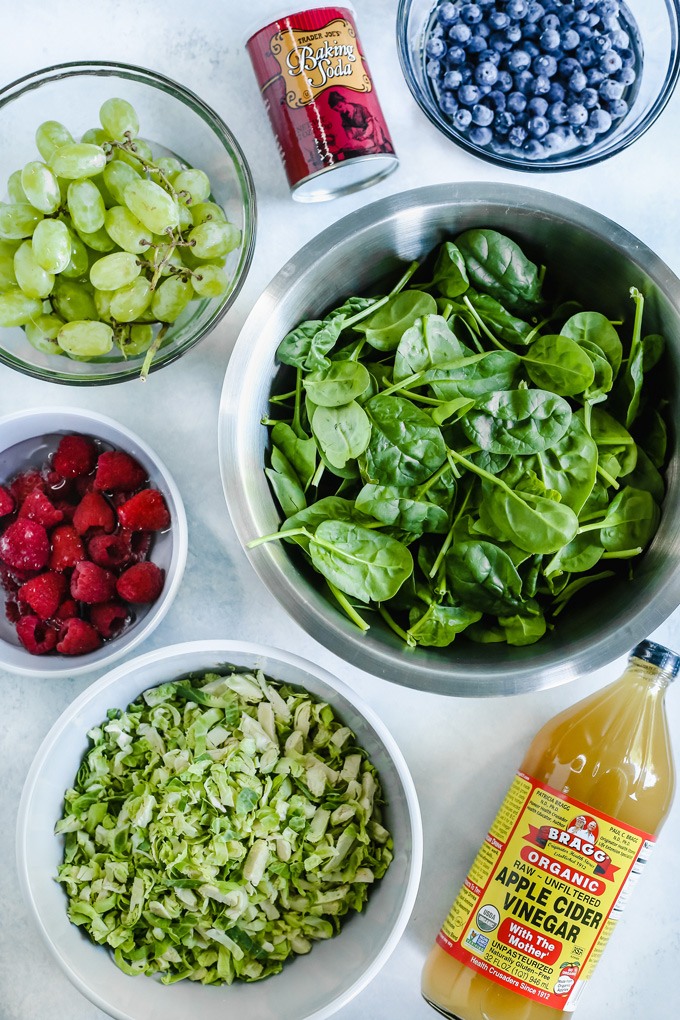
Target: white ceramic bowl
x=22 y=445
x=312 y=986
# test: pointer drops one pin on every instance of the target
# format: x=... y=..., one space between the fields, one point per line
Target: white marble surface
x=462 y=753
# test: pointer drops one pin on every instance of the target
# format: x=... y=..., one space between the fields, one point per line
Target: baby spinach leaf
x=425 y=344
x=360 y=562
x=301 y=453
x=331 y=508
x=459 y=407
x=604 y=374
x=384 y=329
x=491 y=372
x=406 y=447
x=343 y=433
x=436 y=625
x=306 y=346
x=499 y=267
x=645 y=476
x=631 y=521
x=597 y=329
x=611 y=437
x=401 y=508
x=558 y=364
x=517 y=421
x=654 y=346
x=484 y=578
x=533 y=523
x=450 y=274
x=506 y=326
x=570 y=466
x=285 y=483
x=523 y=630
x=338 y=384
x=654 y=440
x=581 y=554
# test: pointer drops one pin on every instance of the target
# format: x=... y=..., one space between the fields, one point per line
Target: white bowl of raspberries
x=93 y=541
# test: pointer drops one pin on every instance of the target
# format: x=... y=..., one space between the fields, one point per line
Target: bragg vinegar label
x=544 y=893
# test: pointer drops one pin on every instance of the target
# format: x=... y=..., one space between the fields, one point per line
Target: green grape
x=192 y=262
x=52 y=245
x=128 y=302
x=185 y=219
x=140 y=339
x=98 y=239
x=170 y=166
x=141 y=151
x=18 y=220
x=147 y=315
x=86 y=206
x=210 y=281
x=192 y=186
x=86 y=339
x=15 y=189
x=40 y=186
x=213 y=238
x=102 y=302
x=95 y=136
x=78 y=262
x=171 y=299
x=80 y=159
x=50 y=136
x=117 y=176
x=42 y=333
x=100 y=184
x=114 y=271
x=33 y=280
x=8 y=277
x=203 y=211
x=16 y=308
x=118 y=118
x=73 y=301
x=9 y=247
x=174 y=262
x=152 y=205
x=126 y=230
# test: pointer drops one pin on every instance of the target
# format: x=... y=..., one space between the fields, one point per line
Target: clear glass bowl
x=658 y=22
x=174 y=121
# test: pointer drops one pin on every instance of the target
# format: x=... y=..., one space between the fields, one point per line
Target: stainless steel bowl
x=599 y=262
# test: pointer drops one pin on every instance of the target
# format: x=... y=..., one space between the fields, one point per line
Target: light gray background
x=462 y=753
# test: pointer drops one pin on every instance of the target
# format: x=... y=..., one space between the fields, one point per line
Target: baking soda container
x=322 y=103
x=557 y=867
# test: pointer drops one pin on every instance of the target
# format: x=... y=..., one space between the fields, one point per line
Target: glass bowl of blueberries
x=540 y=84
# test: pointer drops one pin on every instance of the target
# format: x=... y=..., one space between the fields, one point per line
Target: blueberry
x=620 y=39
x=538 y=106
x=533 y=149
x=585 y=5
x=452 y=80
x=567 y=13
x=538 y=126
x=550 y=23
x=557 y=113
x=519 y=60
x=517 y=137
x=505 y=81
x=503 y=123
x=535 y=11
x=448 y=103
x=481 y=135
x=492 y=56
x=466 y=73
x=476 y=44
x=523 y=81
x=610 y=89
x=460 y=33
x=540 y=85
x=482 y=115
x=498 y=20
x=513 y=33
x=435 y=48
x=455 y=56
x=433 y=68
x=581 y=17
x=447 y=14
x=471 y=14
x=585 y=33
x=577 y=81
x=611 y=62
x=627 y=57
x=586 y=54
x=594 y=76
x=496 y=100
x=586 y=135
x=517 y=103
x=600 y=121
x=517 y=9
x=555 y=93
x=550 y=40
x=607 y=8
x=531 y=48
x=486 y=73
x=618 y=108
x=568 y=66
x=482 y=29
x=531 y=29
x=544 y=64
x=563 y=133
x=468 y=95
x=552 y=143
x=626 y=76
x=601 y=44
x=462 y=119
x=590 y=98
x=498 y=42
x=570 y=39
x=577 y=115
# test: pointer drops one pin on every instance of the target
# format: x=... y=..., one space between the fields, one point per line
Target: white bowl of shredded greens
x=219 y=828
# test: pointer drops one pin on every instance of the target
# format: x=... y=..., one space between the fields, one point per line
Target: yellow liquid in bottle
x=610 y=751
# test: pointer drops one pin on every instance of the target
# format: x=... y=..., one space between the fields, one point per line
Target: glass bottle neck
x=645 y=674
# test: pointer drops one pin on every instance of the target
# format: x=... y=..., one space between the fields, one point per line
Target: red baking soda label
x=318 y=92
x=544 y=894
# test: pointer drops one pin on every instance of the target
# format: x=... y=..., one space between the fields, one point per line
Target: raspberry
x=25 y=483
x=6 y=502
x=38 y=508
x=141 y=583
x=75 y=456
x=140 y=543
x=90 y=583
x=117 y=470
x=25 y=545
x=67 y=510
x=67 y=549
x=77 y=637
x=145 y=512
x=84 y=484
x=44 y=594
x=93 y=512
x=109 y=618
x=35 y=636
x=66 y=610
x=109 y=550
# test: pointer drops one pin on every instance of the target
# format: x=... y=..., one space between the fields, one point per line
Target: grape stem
x=153 y=350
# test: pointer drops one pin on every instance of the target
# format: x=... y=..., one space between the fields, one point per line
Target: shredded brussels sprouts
x=218 y=826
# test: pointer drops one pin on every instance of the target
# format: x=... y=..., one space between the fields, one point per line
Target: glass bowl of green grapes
x=127 y=222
